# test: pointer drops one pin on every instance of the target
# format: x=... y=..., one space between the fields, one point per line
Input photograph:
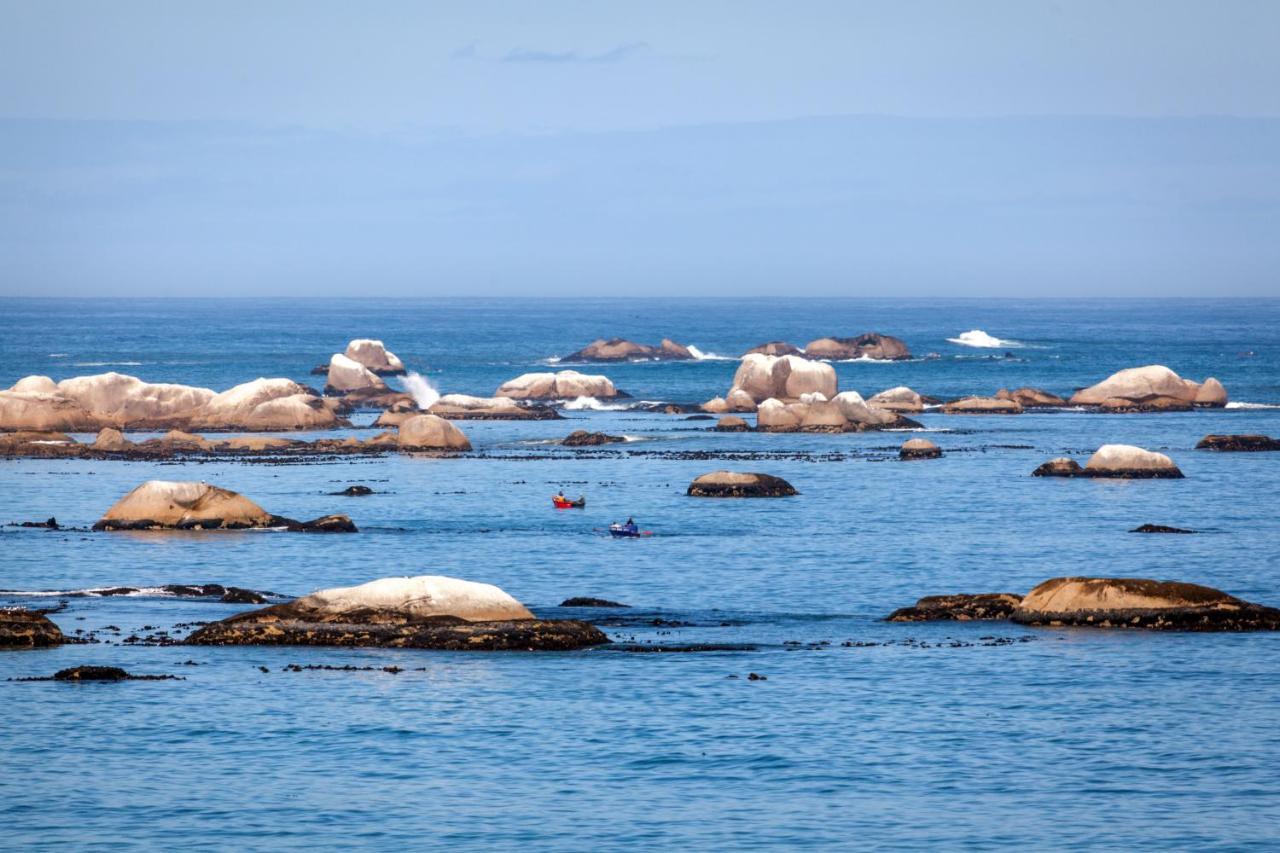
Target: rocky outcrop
x=1060 y=467
x=347 y=375
x=564 y=385
x=169 y=505
x=958 y=608
x=982 y=406
x=847 y=412
x=337 y=523
x=178 y=444
x=919 y=448
x=430 y=432
x=1119 y=461
x=788 y=377
x=584 y=601
x=375 y=357
x=775 y=348
x=113 y=400
x=429 y=612
x=731 y=423
x=27 y=629
x=732 y=484
x=1159 y=528
x=871 y=345
x=582 y=438
x=38 y=445
x=1150 y=388
x=620 y=349
x=1141 y=603
x=899 y=399
x=1031 y=398
x=1238 y=443
x=463 y=407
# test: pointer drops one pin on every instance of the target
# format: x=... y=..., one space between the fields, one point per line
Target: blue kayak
x=625 y=530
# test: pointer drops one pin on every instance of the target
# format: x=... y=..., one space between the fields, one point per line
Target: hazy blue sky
x=1046 y=148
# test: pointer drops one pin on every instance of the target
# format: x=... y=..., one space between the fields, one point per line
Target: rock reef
x=1150 y=388
x=170 y=505
x=1141 y=603
x=1238 y=443
x=958 y=608
x=563 y=385
x=1119 y=461
x=733 y=484
x=620 y=349
x=870 y=345
x=27 y=629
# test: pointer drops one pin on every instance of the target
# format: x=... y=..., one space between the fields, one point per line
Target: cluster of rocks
x=172 y=505
x=1118 y=461
x=1103 y=603
x=464 y=407
x=620 y=349
x=360 y=368
x=872 y=345
x=1238 y=443
x=1150 y=388
x=562 y=385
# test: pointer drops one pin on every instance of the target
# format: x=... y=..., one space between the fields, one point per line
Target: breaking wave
x=699 y=355
x=1234 y=405
x=423 y=390
x=107 y=363
x=591 y=404
x=979 y=338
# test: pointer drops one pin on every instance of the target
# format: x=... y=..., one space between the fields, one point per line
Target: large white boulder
x=165 y=503
x=899 y=399
x=1125 y=459
x=35 y=385
x=374 y=356
x=858 y=411
x=122 y=398
x=564 y=385
x=430 y=432
x=1144 y=384
x=347 y=375
x=762 y=376
x=426 y=595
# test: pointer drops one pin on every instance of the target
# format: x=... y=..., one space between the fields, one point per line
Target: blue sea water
x=937 y=736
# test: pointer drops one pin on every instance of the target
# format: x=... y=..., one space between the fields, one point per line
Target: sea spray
x=423 y=390
x=979 y=338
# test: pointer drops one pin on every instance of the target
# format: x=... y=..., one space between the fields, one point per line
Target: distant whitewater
x=699 y=355
x=582 y=404
x=979 y=338
x=424 y=392
x=1234 y=405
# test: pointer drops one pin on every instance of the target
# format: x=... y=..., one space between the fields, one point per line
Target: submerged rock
x=620 y=349
x=1031 y=398
x=354 y=491
x=27 y=629
x=432 y=612
x=1150 y=388
x=919 y=448
x=1159 y=528
x=733 y=484
x=1238 y=443
x=582 y=438
x=958 y=608
x=564 y=385
x=583 y=601
x=982 y=406
x=870 y=345
x=325 y=524
x=1141 y=603
x=99 y=673
x=1060 y=467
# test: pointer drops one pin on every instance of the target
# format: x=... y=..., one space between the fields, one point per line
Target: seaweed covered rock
x=1060 y=467
x=27 y=629
x=1238 y=443
x=586 y=601
x=919 y=448
x=1159 y=528
x=958 y=608
x=582 y=438
x=430 y=612
x=732 y=484
x=1141 y=603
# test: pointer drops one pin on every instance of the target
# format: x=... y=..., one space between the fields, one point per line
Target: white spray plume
x=423 y=390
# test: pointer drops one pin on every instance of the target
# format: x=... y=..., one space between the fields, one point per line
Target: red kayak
x=565 y=503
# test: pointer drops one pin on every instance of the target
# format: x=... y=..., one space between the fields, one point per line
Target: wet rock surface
x=354 y=491
x=586 y=601
x=1141 y=603
x=734 y=484
x=1159 y=528
x=871 y=345
x=98 y=673
x=28 y=629
x=958 y=608
x=582 y=438
x=1238 y=443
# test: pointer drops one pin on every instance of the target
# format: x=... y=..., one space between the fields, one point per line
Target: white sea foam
x=57 y=355
x=1235 y=405
x=707 y=356
x=423 y=390
x=581 y=404
x=107 y=364
x=979 y=338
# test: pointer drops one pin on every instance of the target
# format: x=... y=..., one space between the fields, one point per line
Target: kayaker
x=630 y=525
x=560 y=496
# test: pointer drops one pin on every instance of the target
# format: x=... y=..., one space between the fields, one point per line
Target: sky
x=1082 y=147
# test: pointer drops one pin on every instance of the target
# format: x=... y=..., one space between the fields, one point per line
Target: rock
x=461 y=407
x=1141 y=603
x=871 y=345
x=375 y=357
x=1159 y=528
x=732 y=484
x=761 y=377
x=982 y=406
x=237 y=595
x=582 y=438
x=590 y=602
x=740 y=401
x=1119 y=405
x=39 y=445
x=158 y=504
x=716 y=406
x=91 y=673
x=354 y=491
x=390 y=419
x=565 y=385
x=847 y=412
x=958 y=608
x=620 y=349
x=375 y=398
x=730 y=423
x=1128 y=462
x=48 y=524
x=1031 y=398
x=111 y=441
x=1238 y=443
x=346 y=375
x=324 y=524
x=423 y=612
x=1060 y=467
x=919 y=448
x=429 y=432
x=899 y=399
x=1153 y=387
x=27 y=629
x=775 y=348
x=266 y=405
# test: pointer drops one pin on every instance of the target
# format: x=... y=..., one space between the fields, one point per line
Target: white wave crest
x=107 y=363
x=57 y=355
x=591 y=404
x=423 y=390
x=699 y=355
x=1234 y=405
x=979 y=338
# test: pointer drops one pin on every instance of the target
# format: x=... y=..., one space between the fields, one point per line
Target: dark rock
x=620 y=349
x=325 y=524
x=236 y=595
x=583 y=601
x=755 y=676
x=1060 y=467
x=91 y=673
x=582 y=438
x=1141 y=603
x=27 y=629
x=1159 y=528
x=778 y=348
x=732 y=484
x=1238 y=443
x=654 y=648
x=51 y=524
x=958 y=608
x=732 y=423
x=354 y=491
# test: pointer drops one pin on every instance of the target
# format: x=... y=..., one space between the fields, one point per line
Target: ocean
x=862 y=733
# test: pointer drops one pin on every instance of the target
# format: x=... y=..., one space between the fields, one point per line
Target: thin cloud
x=620 y=53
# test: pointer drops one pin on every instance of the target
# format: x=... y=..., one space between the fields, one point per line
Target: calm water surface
x=945 y=735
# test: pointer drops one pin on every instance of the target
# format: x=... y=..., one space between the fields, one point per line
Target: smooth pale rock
x=564 y=385
x=620 y=349
x=466 y=407
x=740 y=401
x=715 y=406
x=734 y=484
x=958 y=608
x=374 y=356
x=122 y=398
x=1141 y=603
x=775 y=348
x=899 y=399
x=163 y=503
x=919 y=448
x=27 y=629
x=1031 y=398
x=1127 y=461
x=35 y=385
x=389 y=419
x=425 y=595
x=111 y=441
x=731 y=423
x=1143 y=385
x=982 y=406
x=265 y=404
x=1060 y=467
x=43 y=412
x=430 y=432
x=1238 y=443
x=346 y=375
x=858 y=411
x=870 y=345
x=1211 y=394
x=776 y=415
x=782 y=377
